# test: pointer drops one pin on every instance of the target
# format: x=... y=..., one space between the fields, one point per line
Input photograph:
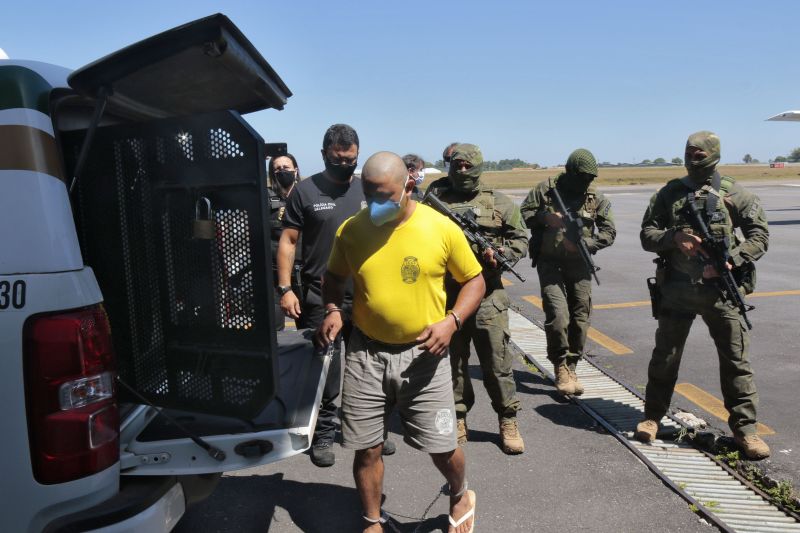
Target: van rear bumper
x=152 y=503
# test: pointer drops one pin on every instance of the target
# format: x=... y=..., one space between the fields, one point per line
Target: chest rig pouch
x=481 y=208
x=548 y=242
x=709 y=199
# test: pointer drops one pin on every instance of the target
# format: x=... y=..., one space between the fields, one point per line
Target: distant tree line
x=508 y=164
x=657 y=162
x=793 y=157
x=503 y=164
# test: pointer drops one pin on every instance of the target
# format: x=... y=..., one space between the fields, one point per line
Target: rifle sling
x=712 y=190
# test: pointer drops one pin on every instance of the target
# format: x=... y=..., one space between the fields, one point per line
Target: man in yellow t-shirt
x=398 y=252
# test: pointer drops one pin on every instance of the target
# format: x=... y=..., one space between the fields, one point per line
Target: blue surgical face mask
x=420 y=178
x=386 y=211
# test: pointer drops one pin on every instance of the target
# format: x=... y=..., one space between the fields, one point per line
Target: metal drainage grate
x=719 y=495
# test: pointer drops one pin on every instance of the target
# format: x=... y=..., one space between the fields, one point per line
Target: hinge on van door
x=154 y=458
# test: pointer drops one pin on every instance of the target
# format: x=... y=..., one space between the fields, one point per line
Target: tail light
x=73 y=418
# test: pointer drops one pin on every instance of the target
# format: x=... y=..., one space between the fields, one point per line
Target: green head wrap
x=580 y=163
x=467 y=180
x=709 y=143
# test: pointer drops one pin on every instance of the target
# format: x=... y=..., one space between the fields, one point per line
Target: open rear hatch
x=172 y=217
x=205 y=65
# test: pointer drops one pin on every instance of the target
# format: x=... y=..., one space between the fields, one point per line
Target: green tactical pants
x=488 y=331
x=567 y=302
x=681 y=301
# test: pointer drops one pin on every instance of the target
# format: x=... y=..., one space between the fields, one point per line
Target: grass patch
x=530 y=366
x=617 y=176
x=779 y=492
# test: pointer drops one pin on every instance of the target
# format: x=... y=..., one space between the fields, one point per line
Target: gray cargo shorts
x=379 y=377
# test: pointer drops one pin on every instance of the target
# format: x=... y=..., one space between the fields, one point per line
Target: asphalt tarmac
x=622 y=313
x=573 y=476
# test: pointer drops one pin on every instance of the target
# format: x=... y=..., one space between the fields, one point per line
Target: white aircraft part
x=787 y=116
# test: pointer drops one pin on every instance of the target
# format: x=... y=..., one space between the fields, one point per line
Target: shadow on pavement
x=257 y=503
x=569 y=415
x=260 y=503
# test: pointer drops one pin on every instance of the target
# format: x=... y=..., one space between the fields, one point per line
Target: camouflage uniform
x=684 y=293
x=488 y=330
x=565 y=281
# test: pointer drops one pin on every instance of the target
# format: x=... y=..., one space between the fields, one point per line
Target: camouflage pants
x=681 y=301
x=488 y=331
x=567 y=302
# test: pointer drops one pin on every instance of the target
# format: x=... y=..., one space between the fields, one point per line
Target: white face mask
x=420 y=178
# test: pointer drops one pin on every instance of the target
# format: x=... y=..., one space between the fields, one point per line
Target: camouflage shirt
x=738 y=208
x=592 y=206
x=496 y=214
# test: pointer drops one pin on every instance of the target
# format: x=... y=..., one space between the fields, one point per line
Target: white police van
x=138 y=358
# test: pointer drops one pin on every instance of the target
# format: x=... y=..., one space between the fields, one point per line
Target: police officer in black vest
x=283 y=173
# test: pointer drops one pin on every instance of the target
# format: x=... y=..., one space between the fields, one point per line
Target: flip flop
x=466 y=516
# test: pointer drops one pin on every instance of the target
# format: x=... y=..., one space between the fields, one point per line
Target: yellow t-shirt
x=398 y=272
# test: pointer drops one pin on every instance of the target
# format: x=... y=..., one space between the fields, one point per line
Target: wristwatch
x=283 y=289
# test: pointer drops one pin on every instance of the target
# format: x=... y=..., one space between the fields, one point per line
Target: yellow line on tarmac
x=640 y=303
x=596 y=335
x=710 y=403
x=774 y=293
x=645 y=303
x=505 y=282
x=535 y=300
x=608 y=343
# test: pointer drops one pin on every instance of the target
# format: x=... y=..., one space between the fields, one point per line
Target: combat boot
x=462 y=431
x=564 y=383
x=322 y=454
x=509 y=435
x=753 y=446
x=577 y=385
x=646 y=430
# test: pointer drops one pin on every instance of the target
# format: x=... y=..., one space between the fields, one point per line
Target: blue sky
x=628 y=79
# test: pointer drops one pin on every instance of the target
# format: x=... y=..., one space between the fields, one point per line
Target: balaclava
x=468 y=180
x=580 y=163
x=700 y=171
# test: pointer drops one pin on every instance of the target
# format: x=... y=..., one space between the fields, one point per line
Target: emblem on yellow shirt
x=410 y=269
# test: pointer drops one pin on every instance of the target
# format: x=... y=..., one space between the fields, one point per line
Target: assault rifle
x=472 y=231
x=718 y=257
x=574 y=232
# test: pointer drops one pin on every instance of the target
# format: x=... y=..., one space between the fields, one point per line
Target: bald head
x=385 y=168
x=385 y=181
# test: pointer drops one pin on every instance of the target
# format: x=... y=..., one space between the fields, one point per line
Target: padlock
x=204 y=228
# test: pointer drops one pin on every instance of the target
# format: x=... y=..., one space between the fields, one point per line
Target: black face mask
x=341 y=173
x=285 y=178
x=577 y=184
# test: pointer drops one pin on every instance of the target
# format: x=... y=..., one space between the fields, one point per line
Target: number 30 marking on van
x=12 y=294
